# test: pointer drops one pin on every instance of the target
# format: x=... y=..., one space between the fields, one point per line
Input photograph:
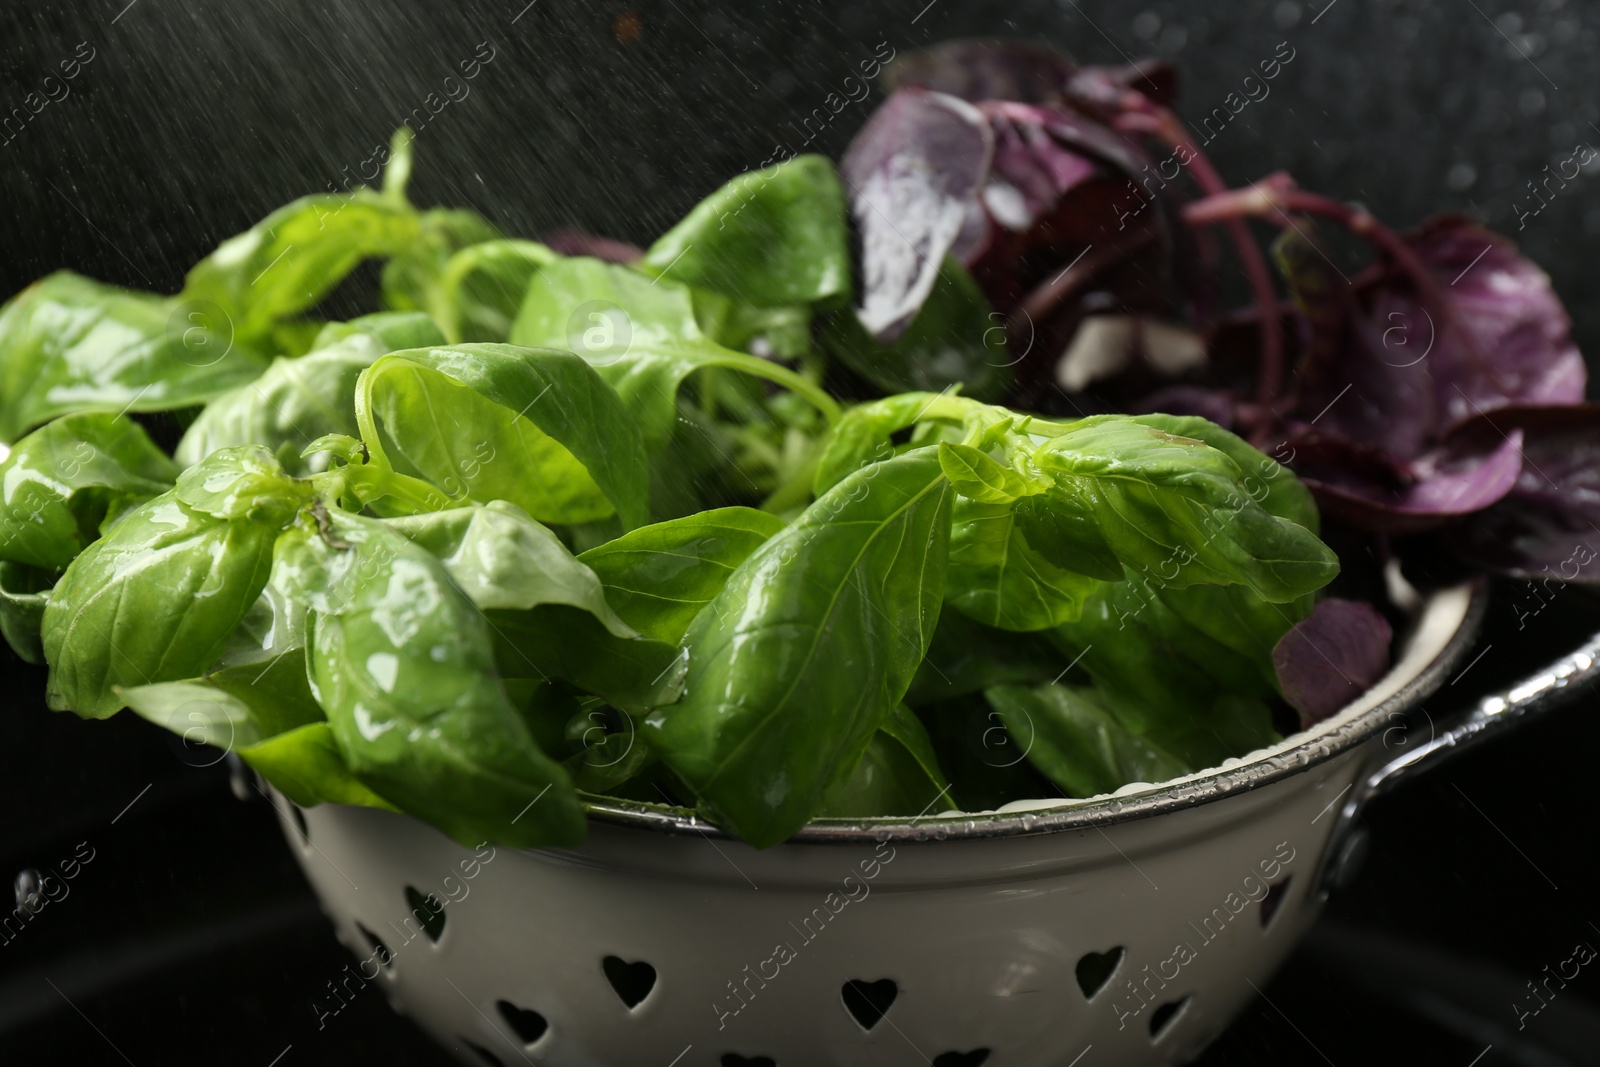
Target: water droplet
x=29 y=890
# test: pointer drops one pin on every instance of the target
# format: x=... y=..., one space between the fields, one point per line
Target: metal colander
x=1135 y=925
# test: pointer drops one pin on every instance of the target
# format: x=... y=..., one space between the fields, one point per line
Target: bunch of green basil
x=549 y=527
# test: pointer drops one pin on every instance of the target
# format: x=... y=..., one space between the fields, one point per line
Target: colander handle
x=1559 y=683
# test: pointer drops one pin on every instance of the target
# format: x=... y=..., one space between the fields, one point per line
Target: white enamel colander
x=1135 y=925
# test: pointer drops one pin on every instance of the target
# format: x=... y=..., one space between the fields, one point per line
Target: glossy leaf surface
x=58 y=482
x=402 y=664
x=808 y=648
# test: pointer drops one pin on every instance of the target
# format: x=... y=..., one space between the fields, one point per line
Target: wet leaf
x=771 y=238
x=1331 y=657
x=913 y=173
x=60 y=481
x=69 y=344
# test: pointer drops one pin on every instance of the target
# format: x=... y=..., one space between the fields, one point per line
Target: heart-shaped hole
x=1096 y=968
x=483 y=1054
x=385 y=957
x=528 y=1024
x=428 y=911
x=1163 y=1017
x=1273 y=901
x=868 y=1002
x=632 y=981
x=975 y=1058
x=733 y=1059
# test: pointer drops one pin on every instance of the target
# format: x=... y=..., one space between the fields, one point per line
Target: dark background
x=191 y=937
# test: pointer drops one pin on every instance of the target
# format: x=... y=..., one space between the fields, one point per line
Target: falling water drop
x=29 y=890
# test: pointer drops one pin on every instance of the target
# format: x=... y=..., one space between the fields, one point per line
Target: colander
x=1129 y=928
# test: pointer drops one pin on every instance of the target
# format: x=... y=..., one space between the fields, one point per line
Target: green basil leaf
x=967 y=657
x=808 y=648
x=274 y=626
x=1071 y=736
x=956 y=339
x=1174 y=507
x=602 y=310
x=904 y=726
x=483 y=286
x=289 y=338
x=997 y=578
x=296 y=255
x=243 y=482
x=1094 y=495
x=374 y=484
x=559 y=641
x=769 y=237
x=1132 y=642
x=986 y=767
x=380 y=332
x=1172 y=681
x=69 y=344
x=568 y=452
x=300 y=400
x=863 y=434
x=1264 y=480
x=1242 y=622
x=658 y=577
x=980 y=477
x=641 y=335
x=413 y=279
x=1067 y=535
x=402 y=663
x=57 y=482
x=898 y=775
x=155 y=600
x=528 y=585
x=305 y=765
x=24 y=592
x=503 y=559
x=607 y=749
x=783 y=332
x=233 y=707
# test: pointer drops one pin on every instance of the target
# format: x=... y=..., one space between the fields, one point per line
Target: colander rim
x=1209 y=786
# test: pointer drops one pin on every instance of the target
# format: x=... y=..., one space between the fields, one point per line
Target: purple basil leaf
x=1548 y=526
x=987 y=70
x=1358 y=381
x=570 y=242
x=1031 y=73
x=1076 y=133
x=974 y=237
x=1505 y=337
x=1331 y=657
x=1370 y=489
x=1032 y=172
x=913 y=173
x=1099 y=91
x=1061 y=187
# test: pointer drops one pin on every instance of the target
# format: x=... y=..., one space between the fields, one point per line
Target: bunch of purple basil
x=1432 y=394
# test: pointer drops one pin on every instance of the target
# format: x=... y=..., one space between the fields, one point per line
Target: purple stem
x=1159 y=122
x=1277 y=195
